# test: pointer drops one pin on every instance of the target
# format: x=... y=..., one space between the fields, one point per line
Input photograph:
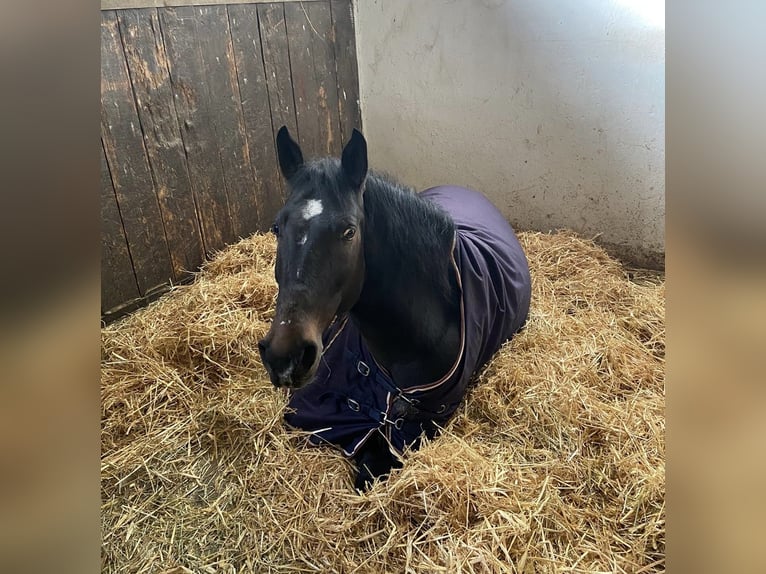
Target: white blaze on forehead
x=311 y=208
x=302 y=240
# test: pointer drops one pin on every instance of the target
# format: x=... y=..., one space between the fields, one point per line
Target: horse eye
x=349 y=233
x=275 y=229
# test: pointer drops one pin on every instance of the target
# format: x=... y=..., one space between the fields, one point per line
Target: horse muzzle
x=290 y=356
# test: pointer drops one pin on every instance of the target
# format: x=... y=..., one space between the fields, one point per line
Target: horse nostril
x=308 y=356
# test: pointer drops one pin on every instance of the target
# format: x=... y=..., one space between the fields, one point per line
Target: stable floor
x=555 y=462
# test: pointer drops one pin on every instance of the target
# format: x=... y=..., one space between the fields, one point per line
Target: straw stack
x=554 y=463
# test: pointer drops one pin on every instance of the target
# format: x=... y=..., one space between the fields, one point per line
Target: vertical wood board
x=118 y=282
x=219 y=69
x=128 y=164
x=346 y=67
x=312 y=62
x=276 y=59
x=148 y=66
x=256 y=110
x=191 y=94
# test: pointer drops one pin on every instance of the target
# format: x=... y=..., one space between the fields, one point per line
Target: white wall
x=552 y=108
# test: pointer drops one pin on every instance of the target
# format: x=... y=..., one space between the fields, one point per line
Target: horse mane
x=413 y=230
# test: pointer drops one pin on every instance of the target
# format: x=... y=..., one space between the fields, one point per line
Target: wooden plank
x=118 y=281
x=148 y=66
x=188 y=82
x=220 y=73
x=124 y=4
x=276 y=61
x=257 y=113
x=315 y=87
x=128 y=164
x=346 y=67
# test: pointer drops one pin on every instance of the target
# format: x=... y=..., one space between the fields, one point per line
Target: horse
x=389 y=302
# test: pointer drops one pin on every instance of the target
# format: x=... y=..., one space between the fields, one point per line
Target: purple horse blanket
x=352 y=396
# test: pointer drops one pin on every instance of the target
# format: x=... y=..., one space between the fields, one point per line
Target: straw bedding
x=555 y=462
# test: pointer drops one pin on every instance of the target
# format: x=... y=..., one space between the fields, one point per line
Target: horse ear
x=354 y=160
x=289 y=153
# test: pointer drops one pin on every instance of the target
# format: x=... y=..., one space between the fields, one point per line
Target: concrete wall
x=552 y=108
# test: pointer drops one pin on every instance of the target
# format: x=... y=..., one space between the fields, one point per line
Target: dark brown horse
x=389 y=301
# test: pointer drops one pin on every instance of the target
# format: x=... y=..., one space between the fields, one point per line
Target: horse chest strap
x=354 y=405
x=368 y=410
x=363 y=368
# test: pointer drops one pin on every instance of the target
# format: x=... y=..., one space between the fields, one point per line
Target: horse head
x=320 y=265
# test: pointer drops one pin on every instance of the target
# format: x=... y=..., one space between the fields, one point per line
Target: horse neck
x=409 y=305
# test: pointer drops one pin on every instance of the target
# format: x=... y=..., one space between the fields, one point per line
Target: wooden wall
x=191 y=99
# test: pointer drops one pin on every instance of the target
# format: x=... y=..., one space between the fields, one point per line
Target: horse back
x=496 y=283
